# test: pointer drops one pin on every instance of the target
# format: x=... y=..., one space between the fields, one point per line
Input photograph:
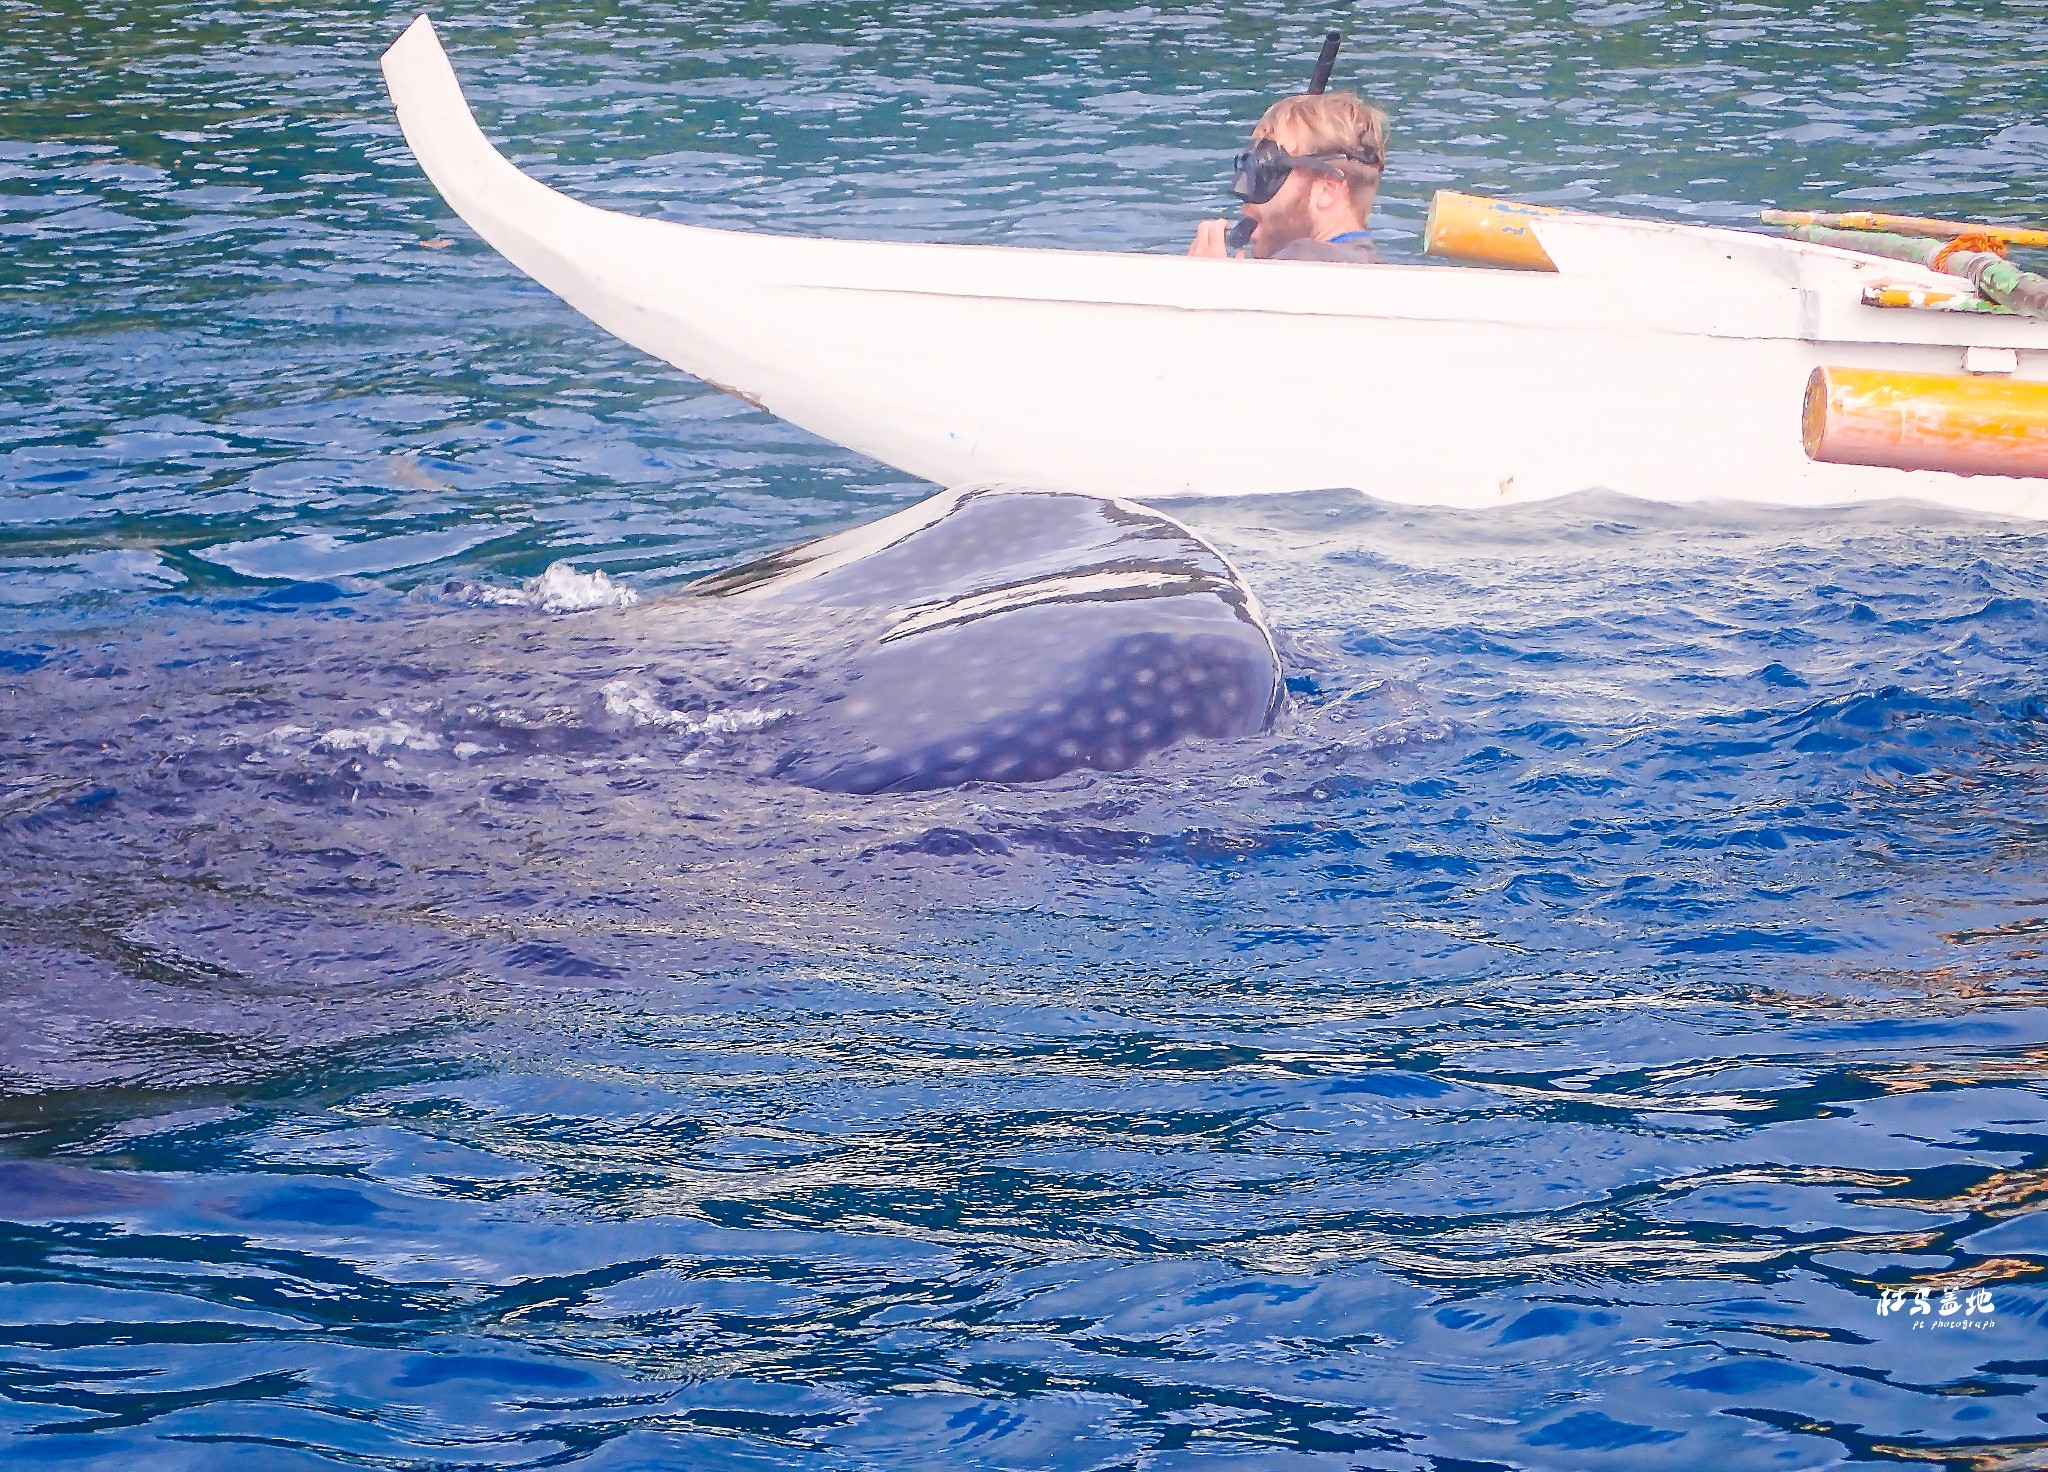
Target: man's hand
x=1210 y=239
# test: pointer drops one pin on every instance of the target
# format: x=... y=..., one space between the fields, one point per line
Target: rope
x=1967 y=242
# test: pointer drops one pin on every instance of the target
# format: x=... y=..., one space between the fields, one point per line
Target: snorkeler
x=1307 y=182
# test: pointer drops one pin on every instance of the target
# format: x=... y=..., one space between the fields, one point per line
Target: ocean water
x=1601 y=1026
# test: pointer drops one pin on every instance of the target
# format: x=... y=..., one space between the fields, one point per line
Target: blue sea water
x=1560 y=1044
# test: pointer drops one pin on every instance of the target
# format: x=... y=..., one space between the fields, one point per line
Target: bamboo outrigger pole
x=1994 y=277
x=1915 y=225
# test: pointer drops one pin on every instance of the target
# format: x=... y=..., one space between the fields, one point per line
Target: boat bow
x=616 y=269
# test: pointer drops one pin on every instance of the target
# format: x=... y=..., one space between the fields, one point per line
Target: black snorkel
x=1324 y=62
x=1241 y=233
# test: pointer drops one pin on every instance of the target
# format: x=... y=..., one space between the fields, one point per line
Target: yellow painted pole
x=2019 y=235
x=1968 y=425
x=1927 y=298
x=1493 y=232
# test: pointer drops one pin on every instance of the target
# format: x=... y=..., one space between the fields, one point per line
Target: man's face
x=1286 y=217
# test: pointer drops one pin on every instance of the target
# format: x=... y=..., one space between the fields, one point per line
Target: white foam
x=372 y=739
x=561 y=589
x=728 y=722
x=635 y=700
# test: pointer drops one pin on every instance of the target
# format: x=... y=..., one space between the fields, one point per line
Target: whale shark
x=984 y=635
x=295 y=821
x=996 y=634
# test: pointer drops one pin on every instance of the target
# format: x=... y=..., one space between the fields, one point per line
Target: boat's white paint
x=1663 y=361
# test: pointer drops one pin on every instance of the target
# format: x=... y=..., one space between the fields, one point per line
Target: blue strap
x=1350 y=235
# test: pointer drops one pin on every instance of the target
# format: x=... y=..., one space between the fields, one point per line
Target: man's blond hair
x=1335 y=122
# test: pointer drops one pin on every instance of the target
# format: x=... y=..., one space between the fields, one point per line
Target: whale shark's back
x=1011 y=635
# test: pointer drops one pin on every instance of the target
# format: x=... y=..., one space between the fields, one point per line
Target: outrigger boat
x=1670 y=362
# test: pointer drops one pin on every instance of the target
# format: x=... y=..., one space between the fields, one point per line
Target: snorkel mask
x=1264 y=167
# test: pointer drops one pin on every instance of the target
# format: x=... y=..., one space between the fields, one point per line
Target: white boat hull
x=1663 y=362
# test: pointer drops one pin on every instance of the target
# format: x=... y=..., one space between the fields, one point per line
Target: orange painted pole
x=2020 y=235
x=1964 y=423
x=1492 y=232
